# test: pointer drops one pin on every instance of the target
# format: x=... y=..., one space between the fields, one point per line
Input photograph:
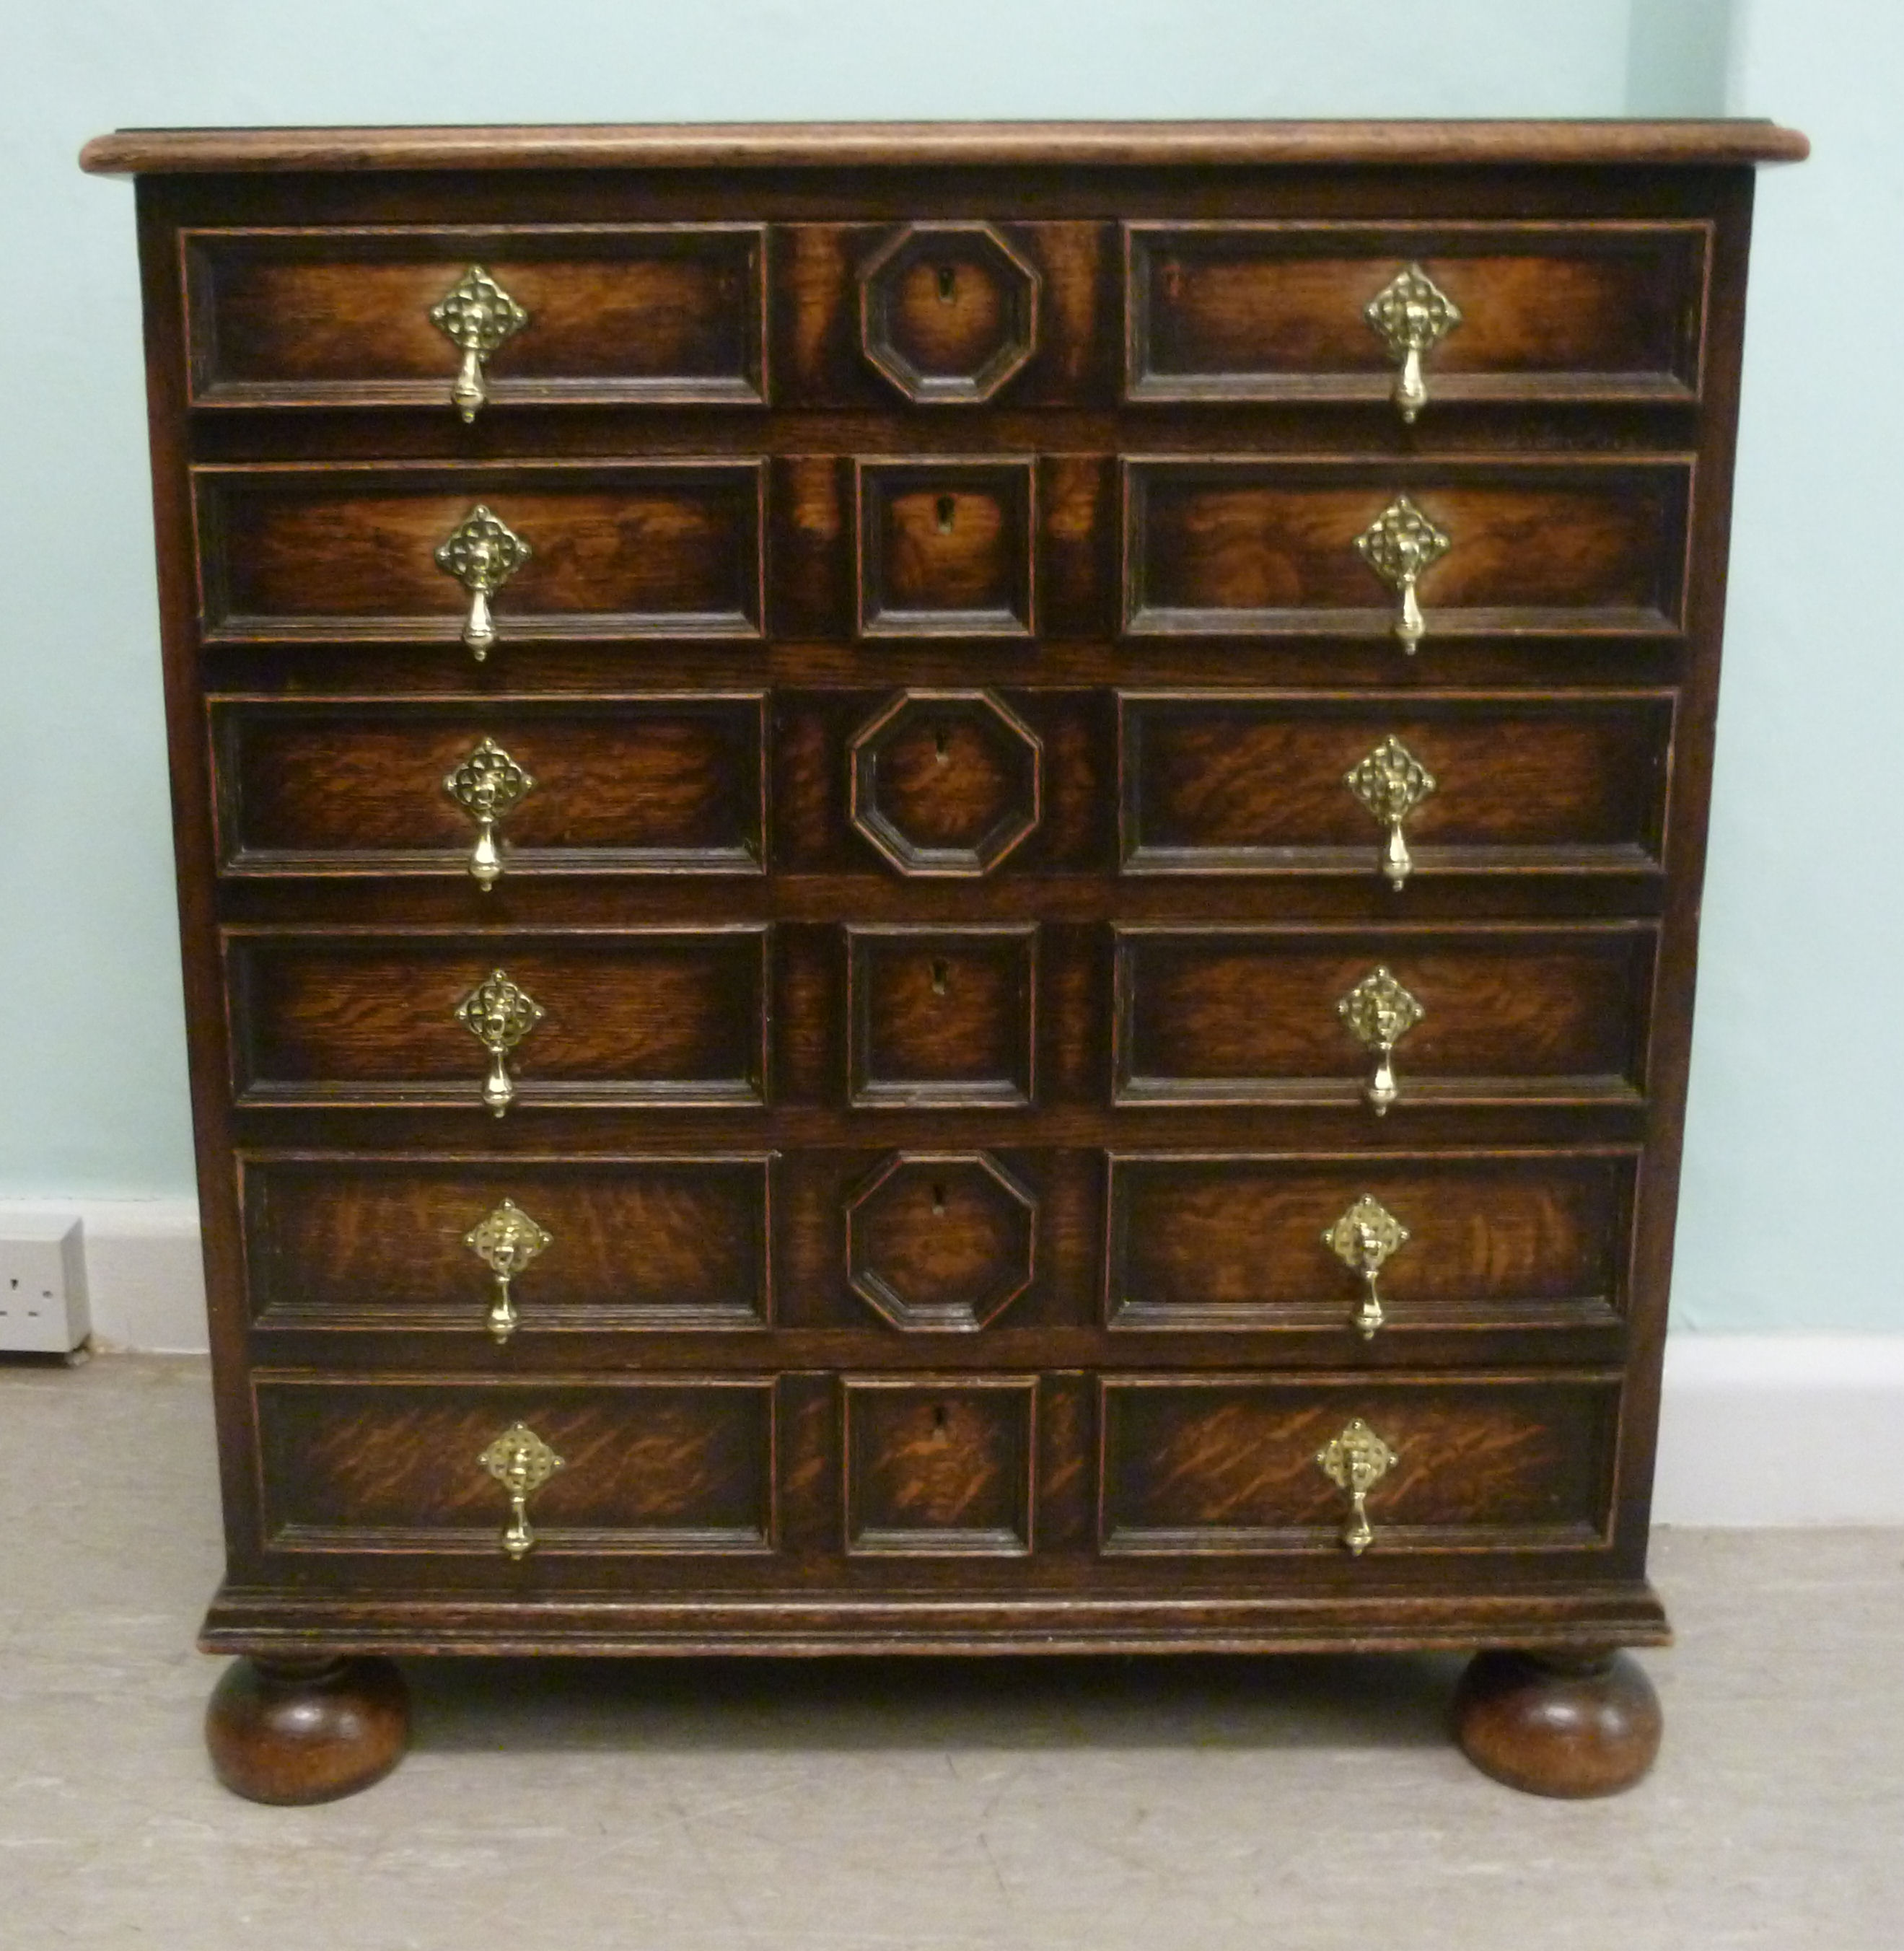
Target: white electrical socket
x=43 y=1307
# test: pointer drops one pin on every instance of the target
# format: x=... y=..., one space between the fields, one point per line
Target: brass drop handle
x=476 y=315
x=1400 y=544
x=487 y=786
x=1379 y=1012
x=1363 y=1239
x=522 y=1463
x=1391 y=782
x=505 y=1243
x=1411 y=315
x=498 y=1015
x=482 y=552
x=1356 y=1461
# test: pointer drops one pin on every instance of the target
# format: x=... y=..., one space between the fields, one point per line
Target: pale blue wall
x=91 y=1084
x=1796 y=1137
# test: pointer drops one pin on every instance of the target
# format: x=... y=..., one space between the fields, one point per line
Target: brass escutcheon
x=487 y=785
x=482 y=552
x=1400 y=545
x=1363 y=1239
x=1356 y=1461
x=505 y=1243
x=1411 y=315
x=476 y=315
x=1391 y=782
x=1380 y=1013
x=498 y=1015
x=522 y=1463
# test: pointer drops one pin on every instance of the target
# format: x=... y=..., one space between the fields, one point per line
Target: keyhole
x=948 y=284
x=947 y=507
x=938 y=1198
x=941 y=974
x=942 y=744
x=938 y=1422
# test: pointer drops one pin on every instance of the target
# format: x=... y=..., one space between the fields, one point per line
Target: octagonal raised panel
x=946 y=783
x=940 y=1240
x=948 y=312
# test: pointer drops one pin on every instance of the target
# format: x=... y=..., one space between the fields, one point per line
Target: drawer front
x=642 y=1016
x=1596 y=310
x=394 y=1241
x=1250 y=1015
x=939 y=1465
x=940 y=1016
x=1193 y=1464
x=1261 y=547
x=683 y=1465
x=1233 y=782
x=1255 y=1242
x=660 y=548
x=945 y=313
x=664 y=783
x=615 y=313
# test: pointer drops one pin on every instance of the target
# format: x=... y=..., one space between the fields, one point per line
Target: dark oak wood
x=290 y=1731
x=943 y=646
x=998 y=144
x=1273 y=311
x=1575 y=1726
x=670 y=314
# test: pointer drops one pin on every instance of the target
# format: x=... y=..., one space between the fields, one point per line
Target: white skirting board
x=1758 y=1429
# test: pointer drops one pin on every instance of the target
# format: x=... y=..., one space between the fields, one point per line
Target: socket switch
x=43 y=1307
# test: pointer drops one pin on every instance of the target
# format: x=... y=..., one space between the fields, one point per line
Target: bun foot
x=1557 y=1723
x=301 y=1730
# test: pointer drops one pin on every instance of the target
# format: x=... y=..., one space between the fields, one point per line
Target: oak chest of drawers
x=940 y=887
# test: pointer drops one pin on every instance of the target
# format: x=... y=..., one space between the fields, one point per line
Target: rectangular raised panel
x=378 y=1241
x=641 y=1016
x=940 y=1016
x=1596 y=311
x=1265 y=547
x=1248 y=1015
x=1254 y=783
x=657 y=548
x=947 y=548
x=1236 y=1240
x=939 y=1465
x=668 y=313
x=1192 y=1465
x=660 y=784
x=676 y=1465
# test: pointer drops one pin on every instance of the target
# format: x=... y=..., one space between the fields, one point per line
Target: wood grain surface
x=795 y=146
x=660 y=313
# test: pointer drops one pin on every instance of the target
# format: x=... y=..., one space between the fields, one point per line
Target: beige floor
x=1264 y=1806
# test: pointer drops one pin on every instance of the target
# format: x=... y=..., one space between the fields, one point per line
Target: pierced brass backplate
x=482 y=552
x=505 y=1243
x=487 y=786
x=1391 y=782
x=498 y=1015
x=1411 y=315
x=522 y=1463
x=1380 y=1013
x=1400 y=544
x=1363 y=1239
x=1356 y=1461
x=476 y=315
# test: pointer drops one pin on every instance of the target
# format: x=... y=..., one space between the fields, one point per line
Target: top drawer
x=1503 y=312
x=669 y=314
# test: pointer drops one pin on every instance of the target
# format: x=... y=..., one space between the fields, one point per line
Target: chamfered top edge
x=822 y=144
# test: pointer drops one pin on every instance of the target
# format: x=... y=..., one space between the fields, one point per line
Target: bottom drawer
x=1193 y=1464
x=977 y=1464
x=682 y=1464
